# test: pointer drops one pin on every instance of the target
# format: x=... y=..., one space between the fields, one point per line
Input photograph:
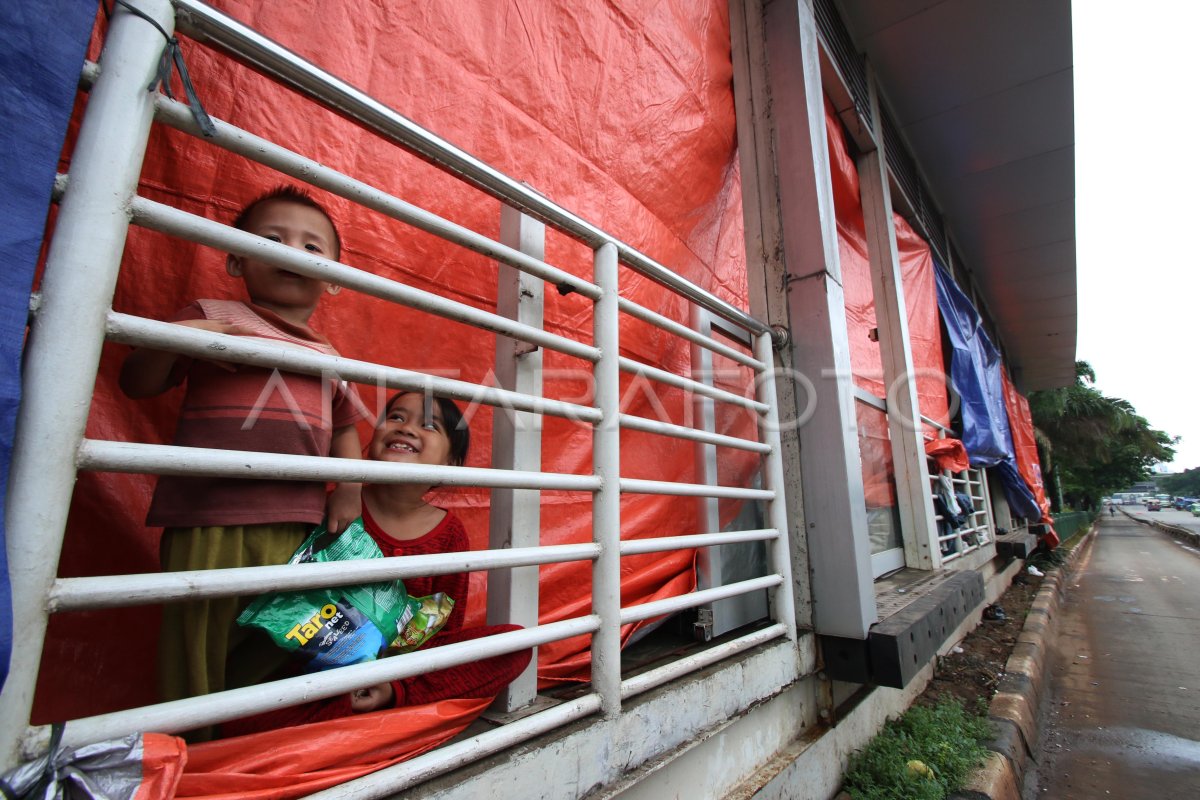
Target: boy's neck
x=296 y=316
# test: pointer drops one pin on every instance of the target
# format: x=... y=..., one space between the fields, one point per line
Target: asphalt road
x=1183 y=519
x=1121 y=717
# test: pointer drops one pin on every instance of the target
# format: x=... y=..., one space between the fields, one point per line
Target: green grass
x=945 y=738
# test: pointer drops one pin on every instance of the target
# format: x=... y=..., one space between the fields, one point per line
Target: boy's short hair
x=289 y=194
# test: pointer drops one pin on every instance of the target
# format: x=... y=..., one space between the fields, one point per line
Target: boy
x=226 y=522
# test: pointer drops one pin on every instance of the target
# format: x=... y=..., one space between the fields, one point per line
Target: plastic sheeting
x=920 y=296
x=917 y=278
x=975 y=372
x=137 y=767
x=630 y=125
x=1025 y=446
x=294 y=762
x=53 y=36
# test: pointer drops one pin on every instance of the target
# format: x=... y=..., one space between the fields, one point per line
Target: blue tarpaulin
x=42 y=47
x=975 y=376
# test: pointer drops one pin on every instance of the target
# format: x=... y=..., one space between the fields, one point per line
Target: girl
x=402 y=523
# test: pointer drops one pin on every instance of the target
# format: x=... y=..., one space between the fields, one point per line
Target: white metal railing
x=972 y=482
x=74 y=318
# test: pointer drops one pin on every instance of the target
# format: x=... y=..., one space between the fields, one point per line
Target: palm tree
x=1090 y=443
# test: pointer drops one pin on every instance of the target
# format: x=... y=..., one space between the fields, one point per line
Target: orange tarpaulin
x=298 y=761
x=920 y=299
x=1020 y=422
x=628 y=125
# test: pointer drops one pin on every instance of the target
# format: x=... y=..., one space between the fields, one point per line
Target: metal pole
x=606 y=504
x=515 y=517
x=63 y=351
x=784 y=595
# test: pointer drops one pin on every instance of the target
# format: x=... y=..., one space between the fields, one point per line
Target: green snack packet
x=428 y=616
x=336 y=626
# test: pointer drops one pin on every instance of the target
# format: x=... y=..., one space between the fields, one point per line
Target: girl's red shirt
x=449 y=536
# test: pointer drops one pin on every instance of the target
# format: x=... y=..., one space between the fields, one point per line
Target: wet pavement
x=1121 y=718
x=1182 y=519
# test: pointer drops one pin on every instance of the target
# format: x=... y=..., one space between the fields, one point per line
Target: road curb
x=1015 y=707
x=1174 y=531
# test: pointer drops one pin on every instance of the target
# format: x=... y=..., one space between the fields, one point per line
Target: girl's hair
x=288 y=194
x=456 y=426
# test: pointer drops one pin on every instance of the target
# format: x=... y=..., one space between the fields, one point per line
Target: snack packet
x=337 y=626
x=428 y=616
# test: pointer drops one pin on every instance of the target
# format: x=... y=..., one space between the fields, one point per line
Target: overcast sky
x=1137 y=178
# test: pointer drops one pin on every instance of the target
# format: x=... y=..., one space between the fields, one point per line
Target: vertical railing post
x=63 y=350
x=708 y=559
x=515 y=516
x=987 y=505
x=783 y=597
x=606 y=505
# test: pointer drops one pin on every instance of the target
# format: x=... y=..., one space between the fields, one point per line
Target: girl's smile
x=406 y=435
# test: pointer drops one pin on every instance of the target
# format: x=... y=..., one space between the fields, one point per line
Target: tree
x=1186 y=483
x=1090 y=444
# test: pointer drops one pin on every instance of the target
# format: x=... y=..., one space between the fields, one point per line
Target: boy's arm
x=147 y=372
x=345 y=501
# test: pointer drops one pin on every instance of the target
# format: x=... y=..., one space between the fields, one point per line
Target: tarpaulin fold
x=975 y=373
x=294 y=762
x=136 y=767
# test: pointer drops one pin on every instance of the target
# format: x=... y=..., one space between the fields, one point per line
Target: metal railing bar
x=670 y=605
x=215 y=29
x=640 y=486
x=194 y=228
x=194 y=712
x=390 y=780
x=635 y=547
x=783 y=609
x=696 y=387
x=62 y=354
x=263 y=151
x=606 y=503
x=162 y=459
x=116 y=591
x=88 y=75
x=683 y=331
x=865 y=397
x=935 y=424
x=636 y=423
x=698 y=661
x=142 y=332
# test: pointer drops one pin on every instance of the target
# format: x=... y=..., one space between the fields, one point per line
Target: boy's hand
x=148 y=372
x=343 y=506
x=372 y=698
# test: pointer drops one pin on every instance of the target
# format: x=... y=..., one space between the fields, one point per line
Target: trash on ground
x=994 y=612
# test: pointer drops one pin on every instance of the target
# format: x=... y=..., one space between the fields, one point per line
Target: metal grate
x=849 y=62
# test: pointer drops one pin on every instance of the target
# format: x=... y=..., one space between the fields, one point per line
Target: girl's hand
x=372 y=698
x=343 y=506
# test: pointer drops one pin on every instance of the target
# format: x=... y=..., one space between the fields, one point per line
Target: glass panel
x=879 y=482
